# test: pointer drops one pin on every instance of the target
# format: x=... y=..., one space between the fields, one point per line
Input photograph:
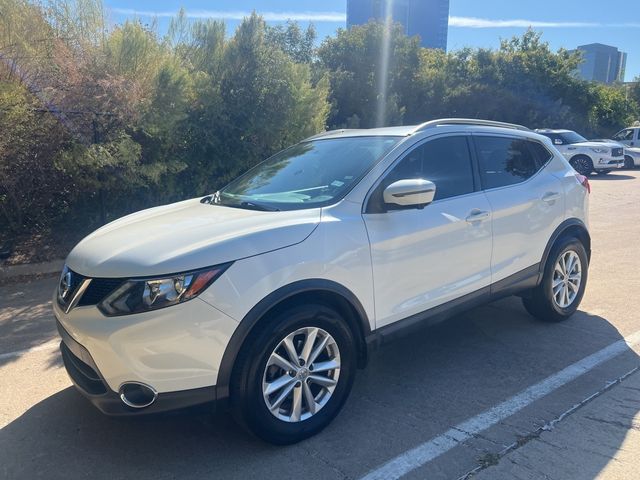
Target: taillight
x=584 y=181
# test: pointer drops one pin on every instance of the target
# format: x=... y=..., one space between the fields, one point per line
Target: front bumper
x=87 y=378
x=177 y=351
x=608 y=163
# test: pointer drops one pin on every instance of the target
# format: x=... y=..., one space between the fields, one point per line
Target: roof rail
x=467 y=121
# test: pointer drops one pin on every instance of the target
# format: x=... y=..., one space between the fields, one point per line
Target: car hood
x=185 y=236
x=595 y=144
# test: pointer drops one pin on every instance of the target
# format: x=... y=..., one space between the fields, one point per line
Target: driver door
x=424 y=257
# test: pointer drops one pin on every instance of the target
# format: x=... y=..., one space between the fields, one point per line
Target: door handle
x=550 y=197
x=477 y=216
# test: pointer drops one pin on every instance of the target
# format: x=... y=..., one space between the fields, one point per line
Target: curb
x=30 y=269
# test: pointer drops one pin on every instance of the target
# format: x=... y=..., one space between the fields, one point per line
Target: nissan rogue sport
x=265 y=297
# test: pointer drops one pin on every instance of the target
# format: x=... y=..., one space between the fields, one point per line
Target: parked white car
x=631 y=155
x=630 y=138
x=267 y=295
x=583 y=155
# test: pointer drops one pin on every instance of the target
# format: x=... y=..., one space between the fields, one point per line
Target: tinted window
x=555 y=138
x=504 y=161
x=624 y=135
x=572 y=137
x=444 y=161
x=540 y=154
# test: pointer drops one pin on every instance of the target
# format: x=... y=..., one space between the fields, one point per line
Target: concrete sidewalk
x=580 y=444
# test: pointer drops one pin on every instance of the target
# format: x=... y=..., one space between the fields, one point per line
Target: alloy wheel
x=567 y=276
x=301 y=374
x=582 y=165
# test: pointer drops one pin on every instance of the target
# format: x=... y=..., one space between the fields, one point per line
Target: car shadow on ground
x=612 y=176
x=412 y=391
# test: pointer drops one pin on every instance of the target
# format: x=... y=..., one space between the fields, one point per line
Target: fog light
x=137 y=395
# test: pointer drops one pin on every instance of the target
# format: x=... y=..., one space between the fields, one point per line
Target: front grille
x=82 y=374
x=71 y=280
x=617 y=152
x=98 y=289
x=76 y=280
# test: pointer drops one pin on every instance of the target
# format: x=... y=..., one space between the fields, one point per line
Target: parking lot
x=491 y=393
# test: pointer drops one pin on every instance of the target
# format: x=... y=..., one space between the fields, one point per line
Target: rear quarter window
x=540 y=153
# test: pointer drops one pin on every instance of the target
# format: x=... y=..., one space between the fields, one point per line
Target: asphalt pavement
x=491 y=393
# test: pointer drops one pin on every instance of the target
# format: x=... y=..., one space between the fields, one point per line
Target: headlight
x=143 y=294
x=600 y=150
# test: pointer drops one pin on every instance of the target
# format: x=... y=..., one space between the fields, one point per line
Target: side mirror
x=410 y=193
x=557 y=141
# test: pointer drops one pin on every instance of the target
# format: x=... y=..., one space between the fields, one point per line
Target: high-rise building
x=602 y=63
x=427 y=18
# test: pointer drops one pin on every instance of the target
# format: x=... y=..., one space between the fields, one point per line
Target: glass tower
x=602 y=63
x=427 y=18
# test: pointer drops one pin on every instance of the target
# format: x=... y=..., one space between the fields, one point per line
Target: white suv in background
x=583 y=155
x=267 y=295
x=630 y=138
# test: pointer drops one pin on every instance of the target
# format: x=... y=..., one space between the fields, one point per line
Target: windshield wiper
x=212 y=199
x=258 y=206
x=216 y=199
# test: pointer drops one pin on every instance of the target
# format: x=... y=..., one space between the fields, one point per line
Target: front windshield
x=309 y=174
x=573 y=137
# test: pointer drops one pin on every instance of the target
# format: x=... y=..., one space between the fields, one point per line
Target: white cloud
x=340 y=17
x=334 y=17
x=474 y=22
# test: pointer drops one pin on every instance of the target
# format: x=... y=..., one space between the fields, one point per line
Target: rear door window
x=505 y=161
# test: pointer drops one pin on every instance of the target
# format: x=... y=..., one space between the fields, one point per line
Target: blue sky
x=475 y=23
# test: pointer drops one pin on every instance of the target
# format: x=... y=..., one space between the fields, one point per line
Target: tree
x=33 y=192
x=371 y=68
x=98 y=120
x=293 y=41
x=250 y=100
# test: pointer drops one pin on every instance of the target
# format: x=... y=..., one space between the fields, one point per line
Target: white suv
x=630 y=138
x=267 y=295
x=586 y=156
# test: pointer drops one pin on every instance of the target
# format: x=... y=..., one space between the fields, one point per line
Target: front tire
x=294 y=374
x=582 y=164
x=629 y=164
x=563 y=283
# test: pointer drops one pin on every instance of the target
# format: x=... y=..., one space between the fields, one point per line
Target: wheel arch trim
x=273 y=300
x=564 y=227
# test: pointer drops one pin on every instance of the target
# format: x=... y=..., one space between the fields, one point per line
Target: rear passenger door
x=527 y=202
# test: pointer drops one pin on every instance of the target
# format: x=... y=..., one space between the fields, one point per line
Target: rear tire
x=563 y=283
x=266 y=361
x=629 y=163
x=582 y=164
